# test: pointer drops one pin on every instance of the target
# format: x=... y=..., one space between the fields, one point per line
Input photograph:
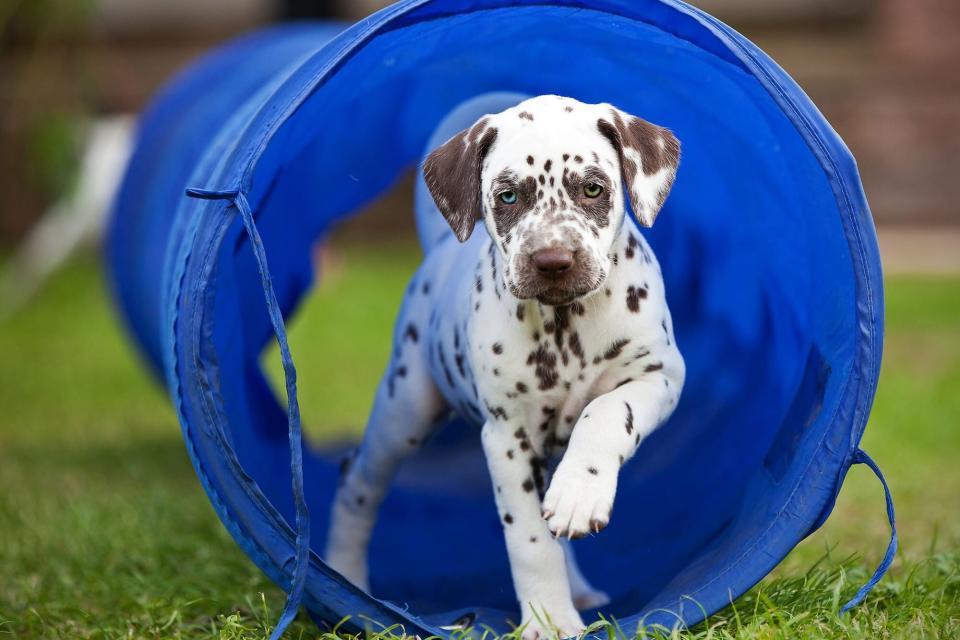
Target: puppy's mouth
x=556 y=297
x=554 y=294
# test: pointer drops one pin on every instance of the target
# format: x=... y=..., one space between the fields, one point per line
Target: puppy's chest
x=541 y=365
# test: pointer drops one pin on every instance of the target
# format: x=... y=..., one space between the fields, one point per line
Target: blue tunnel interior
x=765 y=242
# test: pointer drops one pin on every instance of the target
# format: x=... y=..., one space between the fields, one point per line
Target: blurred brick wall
x=884 y=72
x=889 y=84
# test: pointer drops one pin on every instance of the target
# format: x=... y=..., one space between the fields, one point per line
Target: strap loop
x=861 y=457
x=295 y=596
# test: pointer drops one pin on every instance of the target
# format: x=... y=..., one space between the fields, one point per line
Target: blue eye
x=508 y=197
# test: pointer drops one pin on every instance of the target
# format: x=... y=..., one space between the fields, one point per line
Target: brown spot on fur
x=644 y=137
x=616 y=348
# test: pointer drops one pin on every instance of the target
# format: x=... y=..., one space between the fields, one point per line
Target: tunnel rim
x=855 y=396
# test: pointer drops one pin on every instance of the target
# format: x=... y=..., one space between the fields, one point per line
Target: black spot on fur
x=577 y=159
x=520 y=312
x=526 y=116
x=623 y=382
x=443 y=364
x=528 y=485
x=656 y=366
x=547 y=165
x=629 y=422
x=497 y=412
x=522 y=388
x=345 y=463
x=592 y=471
x=529 y=159
x=497 y=348
x=566 y=157
x=411 y=333
x=507 y=518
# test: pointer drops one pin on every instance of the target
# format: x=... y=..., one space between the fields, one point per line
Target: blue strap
x=861 y=457
x=295 y=596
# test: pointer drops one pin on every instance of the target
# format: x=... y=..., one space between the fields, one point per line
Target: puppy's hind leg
x=405 y=410
x=585 y=596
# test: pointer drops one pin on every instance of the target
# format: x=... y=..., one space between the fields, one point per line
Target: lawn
x=107 y=534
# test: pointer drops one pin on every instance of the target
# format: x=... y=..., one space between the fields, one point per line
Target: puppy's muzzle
x=556 y=275
x=553 y=263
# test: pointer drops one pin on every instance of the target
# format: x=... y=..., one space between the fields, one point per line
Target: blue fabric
x=861 y=457
x=768 y=252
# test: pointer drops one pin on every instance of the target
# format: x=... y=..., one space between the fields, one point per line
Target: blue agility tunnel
x=768 y=252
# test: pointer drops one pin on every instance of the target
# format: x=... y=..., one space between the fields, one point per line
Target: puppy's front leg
x=607 y=434
x=536 y=558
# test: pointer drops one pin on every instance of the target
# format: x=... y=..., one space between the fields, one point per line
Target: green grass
x=105 y=532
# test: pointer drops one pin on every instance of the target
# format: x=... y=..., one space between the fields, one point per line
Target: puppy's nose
x=553 y=261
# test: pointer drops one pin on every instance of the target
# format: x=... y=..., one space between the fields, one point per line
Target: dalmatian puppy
x=547 y=325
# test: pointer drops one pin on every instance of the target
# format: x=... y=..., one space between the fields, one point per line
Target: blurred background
x=105 y=532
x=884 y=72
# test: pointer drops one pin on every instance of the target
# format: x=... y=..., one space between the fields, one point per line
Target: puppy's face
x=547 y=179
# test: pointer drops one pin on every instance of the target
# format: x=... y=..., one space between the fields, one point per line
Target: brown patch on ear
x=658 y=150
x=452 y=174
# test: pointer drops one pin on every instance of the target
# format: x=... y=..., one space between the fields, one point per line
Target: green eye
x=508 y=197
x=592 y=190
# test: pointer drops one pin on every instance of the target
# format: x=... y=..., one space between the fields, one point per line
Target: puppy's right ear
x=452 y=174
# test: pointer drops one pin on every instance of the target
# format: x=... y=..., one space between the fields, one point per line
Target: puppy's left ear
x=649 y=156
x=452 y=174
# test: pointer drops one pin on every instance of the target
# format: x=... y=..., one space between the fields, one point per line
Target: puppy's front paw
x=556 y=625
x=579 y=499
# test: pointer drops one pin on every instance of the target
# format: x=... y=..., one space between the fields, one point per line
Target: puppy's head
x=547 y=178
